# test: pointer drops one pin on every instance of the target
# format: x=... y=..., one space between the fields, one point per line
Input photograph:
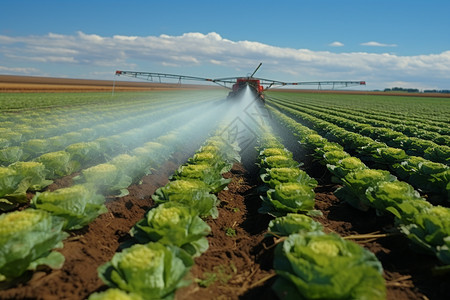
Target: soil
x=33 y=84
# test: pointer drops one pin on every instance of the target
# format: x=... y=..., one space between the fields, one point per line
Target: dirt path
x=236 y=265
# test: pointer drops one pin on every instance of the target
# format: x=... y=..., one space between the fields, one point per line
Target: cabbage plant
x=288 y=197
x=17 y=179
x=173 y=223
x=114 y=294
x=275 y=176
x=27 y=239
x=293 y=223
x=325 y=266
x=78 y=205
x=193 y=193
x=205 y=173
x=153 y=270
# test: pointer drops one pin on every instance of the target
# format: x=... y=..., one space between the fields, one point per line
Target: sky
x=387 y=43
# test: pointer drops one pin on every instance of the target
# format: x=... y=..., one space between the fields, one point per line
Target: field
x=105 y=171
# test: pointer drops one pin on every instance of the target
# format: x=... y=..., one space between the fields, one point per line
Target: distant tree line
x=409 y=90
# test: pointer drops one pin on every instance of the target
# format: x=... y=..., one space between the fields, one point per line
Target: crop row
x=127 y=122
x=381 y=126
x=419 y=172
x=409 y=111
x=30 y=235
x=87 y=123
x=310 y=264
x=19 y=177
x=427 y=226
x=173 y=232
x=411 y=145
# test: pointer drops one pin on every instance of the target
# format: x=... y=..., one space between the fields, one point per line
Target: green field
x=67 y=158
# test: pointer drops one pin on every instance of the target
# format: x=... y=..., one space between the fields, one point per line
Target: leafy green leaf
x=173 y=223
x=78 y=205
x=320 y=266
x=153 y=271
x=27 y=238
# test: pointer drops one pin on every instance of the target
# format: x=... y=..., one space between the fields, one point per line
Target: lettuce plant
x=275 y=176
x=114 y=294
x=10 y=155
x=430 y=230
x=153 y=270
x=390 y=194
x=16 y=179
x=293 y=223
x=205 y=173
x=325 y=266
x=106 y=178
x=334 y=156
x=346 y=165
x=58 y=164
x=173 y=223
x=288 y=197
x=78 y=205
x=193 y=193
x=278 y=161
x=27 y=238
x=356 y=183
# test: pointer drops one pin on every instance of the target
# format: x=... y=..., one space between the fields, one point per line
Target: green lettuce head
x=346 y=165
x=274 y=151
x=114 y=294
x=278 y=161
x=203 y=172
x=27 y=238
x=275 y=176
x=357 y=182
x=332 y=157
x=193 y=193
x=290 y=197
x=390 y=194
x=293 y=223
x=172 y=223
x=78 y=205
x=153 y=271
x=325 y=266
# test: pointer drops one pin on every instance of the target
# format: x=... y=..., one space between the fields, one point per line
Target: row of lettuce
x=385 y=127
x=22 y=176
x=173 y=232
x=109 y=125
x=310 y=264
x=415 y=146
x=29 y=236
x=426 y=225
x=63 y=115
x=424 y=175
x=17 y=128
x=428 y=114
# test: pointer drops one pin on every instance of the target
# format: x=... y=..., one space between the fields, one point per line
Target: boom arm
x=267 y=83
x=224 y=82
x=157 y=76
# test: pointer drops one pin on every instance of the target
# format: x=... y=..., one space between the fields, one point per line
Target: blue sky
x=387 y=43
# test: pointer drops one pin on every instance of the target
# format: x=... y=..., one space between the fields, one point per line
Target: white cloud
x=377 y=44
x=196 y=50
x=336 y=44
x=23 y=71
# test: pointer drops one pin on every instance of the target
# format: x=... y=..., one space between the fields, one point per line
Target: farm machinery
x=238 y=84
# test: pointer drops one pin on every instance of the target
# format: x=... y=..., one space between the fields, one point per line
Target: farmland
x=365 y=173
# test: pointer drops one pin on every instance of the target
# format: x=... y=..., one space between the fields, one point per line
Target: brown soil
x=235 y=266
x=32 y=84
